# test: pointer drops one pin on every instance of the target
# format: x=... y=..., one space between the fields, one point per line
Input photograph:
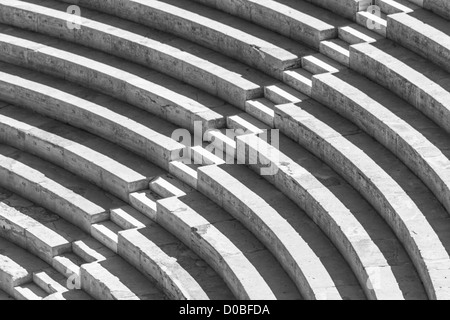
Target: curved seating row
x=131 y=128
x=416 y=80
x=79 y=203
x=398 y=196
x=178 y=58
x=238 y=39
x=94 y=159
x=17 y=267
x=440 y=7
x=298 y=20
x=249 y=269
x=146 y=89
x=286 y=231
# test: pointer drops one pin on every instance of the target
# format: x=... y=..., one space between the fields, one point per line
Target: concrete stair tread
x=91 y=250
x=337 y=50
x=126 y=81
x=17 y=267
x=4 y=296
x=423 y=33
x=129 y=218
x=167 y=186
x=69 y=295
x=396 y=6
x=400 y=122
x=68 y=264
x=261 y=109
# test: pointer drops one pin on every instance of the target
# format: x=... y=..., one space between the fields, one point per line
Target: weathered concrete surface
x=223 y=242
x=424 y=33
x=115 y=279
x=282 y=228
x=241 y=40
x=133 y=129
x=143 y=88
x=440 y=7
x=94 y=159
x=340 y=224
x=16 y=267
x=178 y=272
x=417 y=141
x=55 y=189
x=297 y=20
x=345 y=8
x=363 y=164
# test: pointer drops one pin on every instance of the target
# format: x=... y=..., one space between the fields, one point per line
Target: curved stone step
x=108 y=166
x=131 y=128
x=297 y=20
x=423 y=33
x=17 y=267
x=345 y=8
x=114 y=279
x=176 y=57
x=340 y=212
x=149 y=90
x=413 y=78
x=180 y=273
x=249 y=269
x=239 y=39
x=36 y=178
x=412 y=137
x=304 y=252
x=418 y=220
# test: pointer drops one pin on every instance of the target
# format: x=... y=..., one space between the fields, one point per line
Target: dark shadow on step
x=204 y=275
x=433 y=20
x=263 y=261
x=333 y=262
x=241 y=26
x=143 y=288
x=377 y=229
x=427 y=203
x=64 y=179
x=423 y=66
x=141 y=116
x=72 y=136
